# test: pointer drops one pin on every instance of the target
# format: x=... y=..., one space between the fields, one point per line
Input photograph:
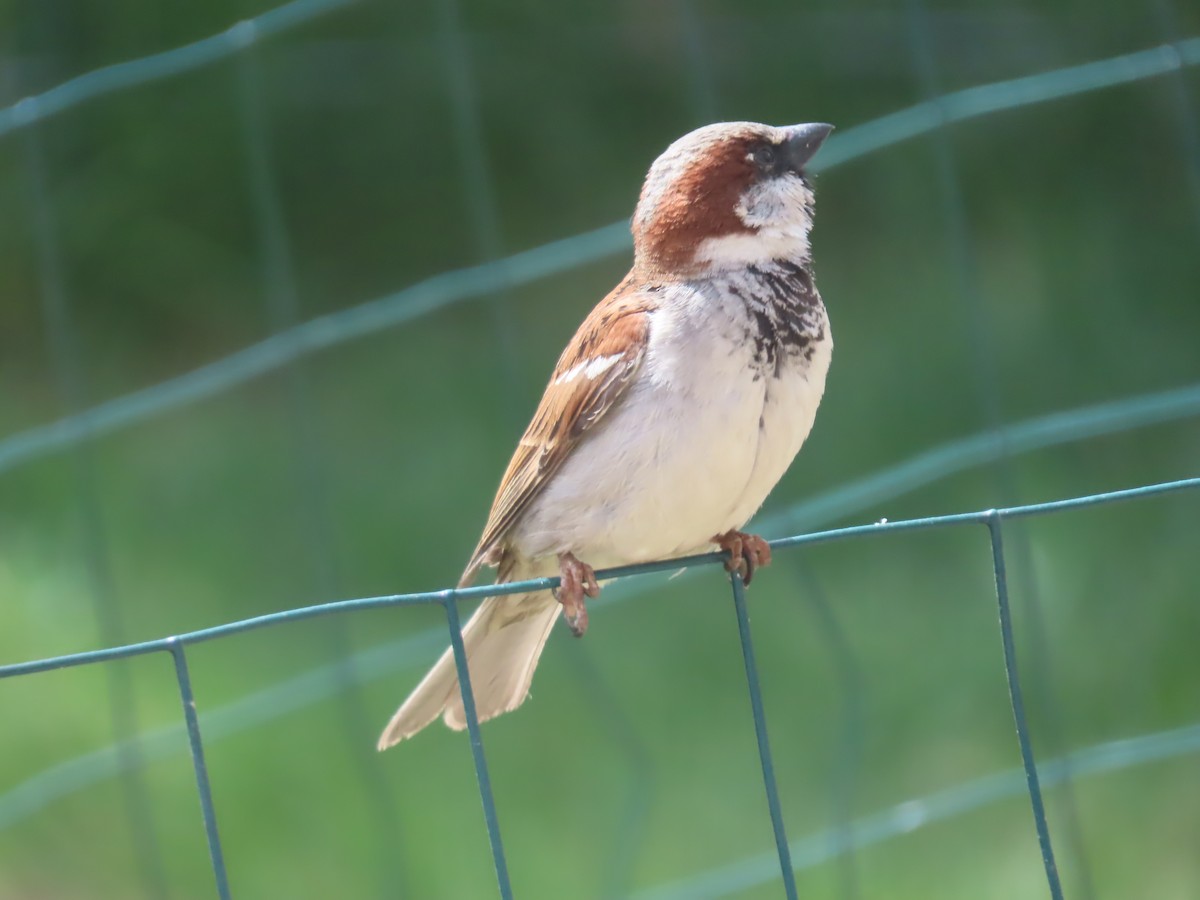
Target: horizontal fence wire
x=559 y=256
x=480 y=592
x=159 y=66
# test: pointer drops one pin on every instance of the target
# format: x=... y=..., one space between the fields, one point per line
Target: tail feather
x=504 y=640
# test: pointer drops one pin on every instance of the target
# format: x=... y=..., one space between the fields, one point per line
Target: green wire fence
x=992 y=520
x=293 y=341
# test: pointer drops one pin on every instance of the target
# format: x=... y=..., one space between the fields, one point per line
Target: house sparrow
x=676 y=407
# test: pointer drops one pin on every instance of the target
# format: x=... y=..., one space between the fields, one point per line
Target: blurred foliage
x=1067 y=276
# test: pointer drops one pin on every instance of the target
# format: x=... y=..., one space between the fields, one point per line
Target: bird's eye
x=765 y=156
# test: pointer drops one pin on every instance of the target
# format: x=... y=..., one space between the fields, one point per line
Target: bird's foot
x=746 y=552
x=578 y=581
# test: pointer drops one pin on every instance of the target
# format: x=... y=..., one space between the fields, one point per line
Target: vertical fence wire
x=1018 y=707
x=66 y=363
x=1184 y=102
x=207 y=809
x=491 y=819
x=479 y=188
x=1043 y=690
x=775 y=808
x=705 y=101
x=986 y=372
x=309 y=470
x=984 y=366
x=458 y=73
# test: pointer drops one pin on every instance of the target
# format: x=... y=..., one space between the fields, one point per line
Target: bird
x=674 y=410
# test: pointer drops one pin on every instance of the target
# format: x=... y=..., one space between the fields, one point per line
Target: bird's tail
x=503 y=640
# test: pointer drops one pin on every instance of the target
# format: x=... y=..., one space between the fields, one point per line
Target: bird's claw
x=578 y=581
x=746 y=553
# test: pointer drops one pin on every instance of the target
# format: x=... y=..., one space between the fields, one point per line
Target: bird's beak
x=803 y=141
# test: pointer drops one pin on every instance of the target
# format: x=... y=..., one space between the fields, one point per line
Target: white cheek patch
x=782 y=203
x=589 y=369
x=779 y=211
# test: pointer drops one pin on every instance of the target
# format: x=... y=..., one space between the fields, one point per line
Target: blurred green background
x=1036 y=260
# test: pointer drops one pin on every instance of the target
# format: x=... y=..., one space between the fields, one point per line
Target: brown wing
x=590 y=377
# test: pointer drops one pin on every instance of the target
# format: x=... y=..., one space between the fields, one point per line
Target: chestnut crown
x=725 y=196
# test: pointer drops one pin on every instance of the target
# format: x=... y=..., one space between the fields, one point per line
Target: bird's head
x=726 y=196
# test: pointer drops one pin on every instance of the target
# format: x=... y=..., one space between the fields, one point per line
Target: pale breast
x=789 y=410
x=708 y=427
